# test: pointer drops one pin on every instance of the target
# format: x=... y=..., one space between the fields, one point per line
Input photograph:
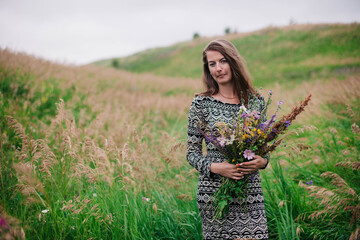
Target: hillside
x=285 y=55
x=93 y=152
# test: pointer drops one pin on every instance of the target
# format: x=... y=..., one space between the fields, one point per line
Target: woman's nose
x=218 y=67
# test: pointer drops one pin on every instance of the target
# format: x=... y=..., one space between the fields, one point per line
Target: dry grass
x=123 y=101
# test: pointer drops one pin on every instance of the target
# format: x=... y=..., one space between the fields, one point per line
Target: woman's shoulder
x=256 y=101
x=201 y=99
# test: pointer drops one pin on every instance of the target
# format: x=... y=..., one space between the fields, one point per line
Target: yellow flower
x=258 y=131
x=245 y=136
x=233 y=160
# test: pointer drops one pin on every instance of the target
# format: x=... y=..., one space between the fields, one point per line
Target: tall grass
x=325 y=164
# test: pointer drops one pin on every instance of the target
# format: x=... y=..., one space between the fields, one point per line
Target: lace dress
x=238 y=223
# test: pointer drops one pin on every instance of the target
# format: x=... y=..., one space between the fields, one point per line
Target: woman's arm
x=194 y=153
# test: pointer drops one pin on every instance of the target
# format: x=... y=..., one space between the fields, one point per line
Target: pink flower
x=244 y=115
x=145 y=199
x=248 y=154
x=221 y=141
x=4 y=224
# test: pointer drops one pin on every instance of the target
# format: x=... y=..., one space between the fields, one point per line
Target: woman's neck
x=227 y=94
x=227 y=91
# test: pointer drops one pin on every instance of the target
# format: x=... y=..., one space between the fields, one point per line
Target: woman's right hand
x=227 y=170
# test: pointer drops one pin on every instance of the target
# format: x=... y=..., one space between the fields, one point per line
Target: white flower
x=145 y=199
x=94 y=195
x=44 y=211
x=231 y=140
x=243 y=109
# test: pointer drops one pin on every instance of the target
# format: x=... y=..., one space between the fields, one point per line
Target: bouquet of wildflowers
x=248 y=135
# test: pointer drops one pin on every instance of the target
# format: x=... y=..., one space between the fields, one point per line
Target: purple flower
x=262 y=126
x=252 y=178
x=244 y=115
x=309 y=182
x=273 y=117
x=274 y=130
x=248 y=154
x=256 y=115
x=210 y=139
x=270 y=92
x=279 y=103
x=287 y=123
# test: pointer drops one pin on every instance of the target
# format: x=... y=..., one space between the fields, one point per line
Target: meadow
x=92 y=152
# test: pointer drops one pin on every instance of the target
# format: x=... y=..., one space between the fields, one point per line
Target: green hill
x=289 y=54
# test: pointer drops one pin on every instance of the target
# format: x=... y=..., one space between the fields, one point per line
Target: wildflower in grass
x=145 y=199
x=94 y=195
x=45 y=211
x=309 y=182
x=248 y=154
x=279 y=103
x=4 y=224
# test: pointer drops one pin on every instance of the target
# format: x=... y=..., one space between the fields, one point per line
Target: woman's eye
x=223 y=60
x=211 y=64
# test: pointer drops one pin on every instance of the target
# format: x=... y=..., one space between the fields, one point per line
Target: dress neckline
x=217 y=100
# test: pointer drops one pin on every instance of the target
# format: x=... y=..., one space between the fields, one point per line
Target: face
x=219 y=67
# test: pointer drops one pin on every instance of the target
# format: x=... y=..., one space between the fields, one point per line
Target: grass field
x=99 y=153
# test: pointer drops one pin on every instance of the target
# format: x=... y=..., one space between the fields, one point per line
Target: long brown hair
x=240 y=75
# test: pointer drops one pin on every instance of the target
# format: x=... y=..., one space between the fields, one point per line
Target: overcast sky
x=82 y=31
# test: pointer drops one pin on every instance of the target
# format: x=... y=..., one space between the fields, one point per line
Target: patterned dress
x=238 y=223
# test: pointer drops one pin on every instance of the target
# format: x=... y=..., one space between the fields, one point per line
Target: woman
x=228 y=87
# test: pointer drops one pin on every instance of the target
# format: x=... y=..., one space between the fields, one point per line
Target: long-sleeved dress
x=238 y=223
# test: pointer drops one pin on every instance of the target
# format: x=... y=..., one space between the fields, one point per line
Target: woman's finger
x=241 y=169
x=247 y=164
x=237 y=177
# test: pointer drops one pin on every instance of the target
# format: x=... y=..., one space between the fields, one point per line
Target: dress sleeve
x=194 y=153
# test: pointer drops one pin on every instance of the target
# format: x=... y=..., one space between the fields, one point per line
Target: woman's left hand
x=252 y=166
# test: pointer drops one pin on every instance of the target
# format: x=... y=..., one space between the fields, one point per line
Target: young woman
x=228 y=87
